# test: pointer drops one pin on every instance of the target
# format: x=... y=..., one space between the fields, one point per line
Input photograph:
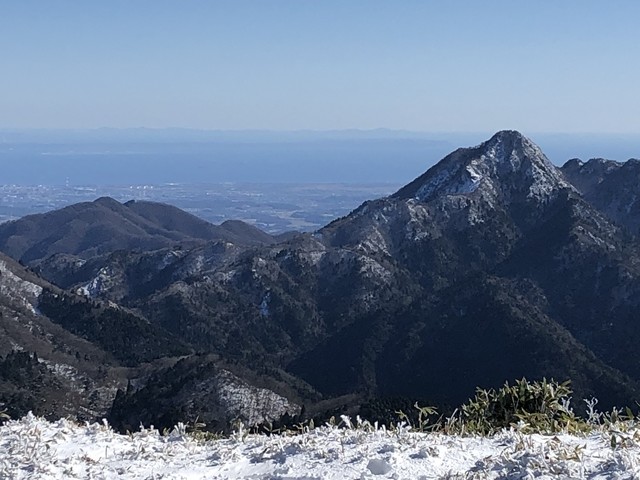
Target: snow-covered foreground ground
x=34 y=448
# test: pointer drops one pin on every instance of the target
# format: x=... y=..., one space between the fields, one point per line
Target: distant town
x=274 y=208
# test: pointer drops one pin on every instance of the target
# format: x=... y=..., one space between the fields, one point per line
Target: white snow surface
x=101 y=283
x=264 y=305
x=32 y=448
x=22 y=291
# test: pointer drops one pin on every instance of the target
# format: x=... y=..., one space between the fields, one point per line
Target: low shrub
x=540 y=406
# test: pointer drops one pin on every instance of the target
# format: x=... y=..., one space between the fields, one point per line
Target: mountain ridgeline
x=492 y=265
x=105 y=225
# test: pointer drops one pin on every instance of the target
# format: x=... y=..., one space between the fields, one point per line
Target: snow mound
x=33 y=448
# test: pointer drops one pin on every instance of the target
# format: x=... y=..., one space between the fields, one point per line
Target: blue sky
x=543 y=66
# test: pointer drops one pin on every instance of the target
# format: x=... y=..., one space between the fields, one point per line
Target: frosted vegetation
x=519 y=431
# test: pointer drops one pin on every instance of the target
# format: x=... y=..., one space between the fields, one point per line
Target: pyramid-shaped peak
x=500 y=167
x=508 y=136
x=509 y=143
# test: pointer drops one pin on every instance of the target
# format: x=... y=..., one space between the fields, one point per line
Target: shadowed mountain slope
x=612 y=187
x=105 y=225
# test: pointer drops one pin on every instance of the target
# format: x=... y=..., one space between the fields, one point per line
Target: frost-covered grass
x=34 y=448
x=525 y=430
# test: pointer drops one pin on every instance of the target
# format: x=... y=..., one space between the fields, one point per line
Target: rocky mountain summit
x=492 y=265
x=508 y=168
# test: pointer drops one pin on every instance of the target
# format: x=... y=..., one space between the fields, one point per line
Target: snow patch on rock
x=100 y=284
x=251 y=404
x=370 y=268
x=225 y=277
x=22 y=291
x=264 y=305
x=313 y=257
x=168 y=259
x=489 y=168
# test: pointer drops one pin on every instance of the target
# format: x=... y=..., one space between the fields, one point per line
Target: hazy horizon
x=160 y=156
x=459 y=66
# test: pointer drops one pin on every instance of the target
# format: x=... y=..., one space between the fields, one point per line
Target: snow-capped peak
x=505 y=166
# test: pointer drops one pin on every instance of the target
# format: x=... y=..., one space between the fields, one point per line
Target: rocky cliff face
x=200 y=388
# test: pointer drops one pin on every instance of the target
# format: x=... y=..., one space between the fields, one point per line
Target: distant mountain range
x=492 y=265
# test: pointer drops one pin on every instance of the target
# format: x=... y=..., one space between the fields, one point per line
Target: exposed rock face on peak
x=483 y=199
x=506 y=168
